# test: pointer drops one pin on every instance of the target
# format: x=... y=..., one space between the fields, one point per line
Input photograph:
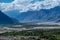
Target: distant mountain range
x=41 y=16
x=4 y=19
x=44 y=15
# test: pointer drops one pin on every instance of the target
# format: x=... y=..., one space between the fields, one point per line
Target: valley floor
x=34 y=33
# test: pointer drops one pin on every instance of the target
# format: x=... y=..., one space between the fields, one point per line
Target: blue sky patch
x=6 y=1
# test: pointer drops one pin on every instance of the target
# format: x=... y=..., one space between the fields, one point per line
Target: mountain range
x=41 y=16
x=44 y=15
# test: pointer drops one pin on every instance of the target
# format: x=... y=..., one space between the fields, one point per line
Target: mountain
x=44 y=15
x=4 y=19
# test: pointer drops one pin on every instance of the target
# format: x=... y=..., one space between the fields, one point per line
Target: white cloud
x=26 y=5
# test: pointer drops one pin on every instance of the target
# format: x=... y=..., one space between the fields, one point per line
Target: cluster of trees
x=47 y=34
x=20 y=33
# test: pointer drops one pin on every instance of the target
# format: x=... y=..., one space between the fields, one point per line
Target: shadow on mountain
x=4 y=19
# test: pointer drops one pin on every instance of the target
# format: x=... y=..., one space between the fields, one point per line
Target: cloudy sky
x=27 y=5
